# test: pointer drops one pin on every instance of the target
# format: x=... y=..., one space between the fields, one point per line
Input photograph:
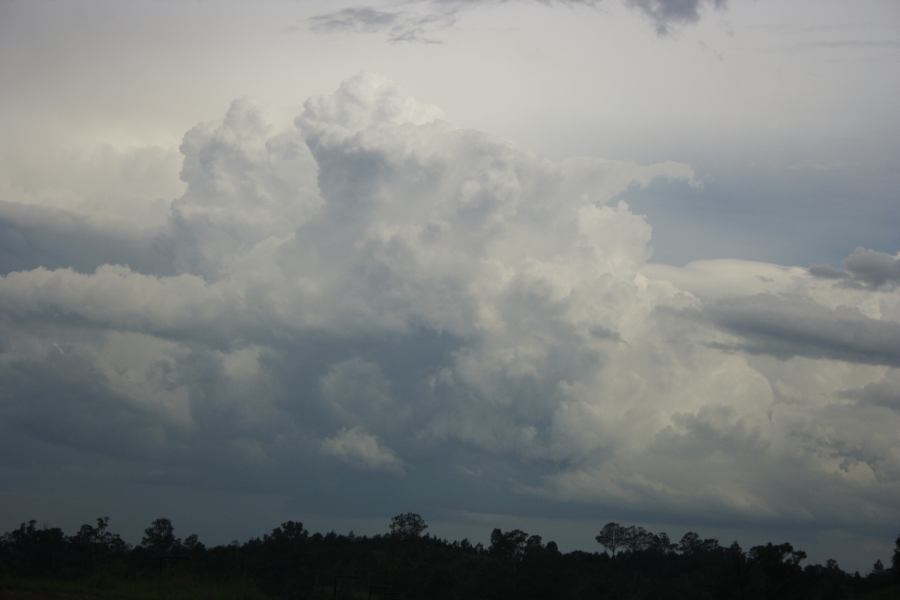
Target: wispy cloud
x=420 y=20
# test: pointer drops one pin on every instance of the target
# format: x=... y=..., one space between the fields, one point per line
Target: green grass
x=155 y=588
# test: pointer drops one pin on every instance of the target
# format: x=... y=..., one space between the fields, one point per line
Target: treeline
x=407 y=563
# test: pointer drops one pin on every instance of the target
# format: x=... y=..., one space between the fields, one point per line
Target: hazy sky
x=503 y=263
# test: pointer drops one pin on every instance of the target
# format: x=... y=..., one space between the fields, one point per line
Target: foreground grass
x=889 y=593
x=119 y=588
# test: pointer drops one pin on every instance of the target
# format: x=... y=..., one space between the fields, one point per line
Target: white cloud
x=357 y=447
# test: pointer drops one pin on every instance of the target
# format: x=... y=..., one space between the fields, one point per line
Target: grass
x=889 y=593
x=155 y=588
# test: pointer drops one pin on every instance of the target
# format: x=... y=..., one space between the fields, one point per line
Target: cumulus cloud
x=378 y=292
x=419 y=20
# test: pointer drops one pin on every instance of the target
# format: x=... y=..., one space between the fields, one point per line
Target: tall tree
x=408 y=525
x=612 y=537
x=160 y=537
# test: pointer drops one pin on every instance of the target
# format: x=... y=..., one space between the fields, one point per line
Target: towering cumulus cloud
x=376 y=298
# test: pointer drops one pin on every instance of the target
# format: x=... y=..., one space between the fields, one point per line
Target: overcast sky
x=502 y=263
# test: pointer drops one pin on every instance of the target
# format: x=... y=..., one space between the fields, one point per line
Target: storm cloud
x=375 y=301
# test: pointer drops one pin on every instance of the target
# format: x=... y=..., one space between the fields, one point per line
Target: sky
x=535 y=264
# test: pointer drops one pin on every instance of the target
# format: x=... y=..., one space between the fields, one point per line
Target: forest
x=407 y=563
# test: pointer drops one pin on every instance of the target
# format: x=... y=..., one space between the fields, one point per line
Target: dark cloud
x=885 y=393
x=417 y=20
x=828 y=272
x=873 y=268
x=789 y=327
x=864 y=267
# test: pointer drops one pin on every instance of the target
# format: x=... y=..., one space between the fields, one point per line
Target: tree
x=160 y=537
x=612 y=537
x=98 y=543
x=637 y=539
x=878 y=567
x=777 y=555
x=895 y=559
x=408 y=525
x=289 y=532
x=512 y=544
x=691 y=543
x=193 y=544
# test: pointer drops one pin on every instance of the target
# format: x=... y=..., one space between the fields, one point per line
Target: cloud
x=666 y=13
x=864 y=267
x=401 y=25
x=376 y=288
x=33 y=236
x=797 y=327
x=354 y=19
x=885 y=392
x=116 y=297
x=419 y=20
x=357 y=447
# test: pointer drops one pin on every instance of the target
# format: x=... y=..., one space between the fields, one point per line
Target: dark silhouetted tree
x=193 y=544
x=895 y=559
x=290 y=532
x=160 y=537
x=98 y=544
x=612 y=537
x=290 y=563
x=510 y=545
x=408 y=525
x=878 y=567
x=692 y=544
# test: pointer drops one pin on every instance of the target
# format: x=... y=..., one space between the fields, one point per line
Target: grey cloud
x=828 y=272
x=355 y=19
x=798 y=327
x=33 y=236
x=417 y=20
x=666 y=13
x=63 y=400
x=873 y=268
x=864 y=267
x=401 y=25
x=885 y=392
